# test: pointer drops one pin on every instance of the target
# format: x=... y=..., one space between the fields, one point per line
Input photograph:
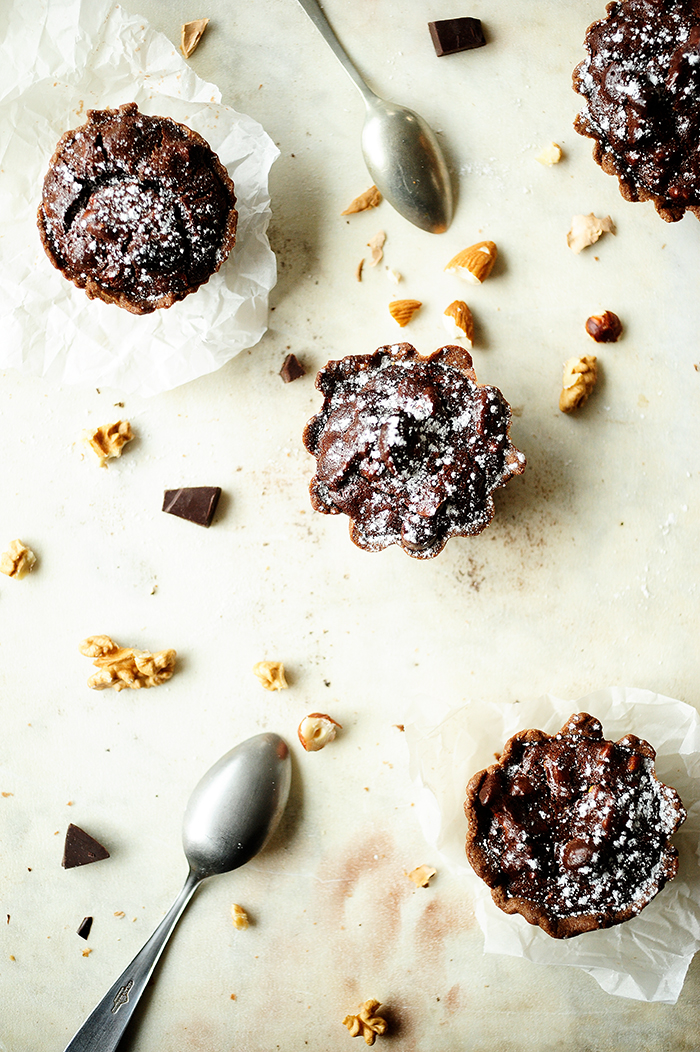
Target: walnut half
x=366 y=1023
x=122 y=667
x=17 y=561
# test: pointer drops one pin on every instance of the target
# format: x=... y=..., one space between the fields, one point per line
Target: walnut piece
x=109 y=440
x=122 y=667
x=239 y=917
x=580 y=375
x=271 y=675
x=317 y=730
x=369 y=199
x=585 y=231
x=192 y=33
x=421 y=875
x=17 y=561
x=366 y=1024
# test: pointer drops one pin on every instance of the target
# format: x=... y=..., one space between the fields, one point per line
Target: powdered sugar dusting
x=410 y=448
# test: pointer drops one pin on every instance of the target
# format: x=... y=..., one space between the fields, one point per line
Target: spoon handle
x=105 y=1025
x=315 y=13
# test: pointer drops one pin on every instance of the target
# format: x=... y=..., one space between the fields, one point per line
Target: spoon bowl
x=400 y=149
x=406 y=163
x=254 y=778
x=230 y=816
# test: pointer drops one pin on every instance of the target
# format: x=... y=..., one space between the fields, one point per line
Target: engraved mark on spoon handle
x=107 y=1022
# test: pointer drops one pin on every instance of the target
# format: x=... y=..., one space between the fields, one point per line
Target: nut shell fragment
x=192 y=33
x=376 y=246
x=458 y=321
x=316 y=730
x=580 y=375
x=475 y=263
x=369 y=199
x=403 y=310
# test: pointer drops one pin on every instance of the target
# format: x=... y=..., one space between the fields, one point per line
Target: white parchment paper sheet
x=647 y=957
x=59 y=58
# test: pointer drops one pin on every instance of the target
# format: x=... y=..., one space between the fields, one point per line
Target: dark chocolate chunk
x=291 y=369
x=451 y=35
x=84 y=928
x=81 y=849
x=194 y=503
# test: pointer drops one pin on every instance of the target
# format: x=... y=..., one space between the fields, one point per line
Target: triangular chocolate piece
x=81 y=849
x=85 y=926
x=194 y=503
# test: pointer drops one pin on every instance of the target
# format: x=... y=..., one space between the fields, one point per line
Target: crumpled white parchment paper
x=645 y=958
x=59 y=58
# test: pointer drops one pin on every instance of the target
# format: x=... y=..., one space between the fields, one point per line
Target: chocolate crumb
x=81 y=849
x=291 y=369
x=451 y=35
x=195 y=503
x=84 y=927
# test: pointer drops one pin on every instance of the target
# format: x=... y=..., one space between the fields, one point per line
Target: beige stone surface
x=586 y=578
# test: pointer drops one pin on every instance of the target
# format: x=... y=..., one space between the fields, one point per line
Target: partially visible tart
x=573 y=831
x=137 y=210
x=641 y=85
x=410 y=448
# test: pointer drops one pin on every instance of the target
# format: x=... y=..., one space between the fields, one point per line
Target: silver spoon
x=400 y=149
x=229 y=817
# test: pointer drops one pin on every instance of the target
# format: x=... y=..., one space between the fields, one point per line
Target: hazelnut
x=316 y=730
x=604 y=328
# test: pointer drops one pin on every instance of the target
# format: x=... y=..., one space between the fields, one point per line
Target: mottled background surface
x=587 y=577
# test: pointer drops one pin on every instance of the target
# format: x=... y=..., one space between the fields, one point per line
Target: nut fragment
x=604 y=328
x=366 y=1024
x=369 y=199
x=403 y=310
x=122 y=667
x=421 y=875
x=376 y=244
x=316 y=730
x=580 y=375
x=192 y=33
x=585 y=231
x=458 y=321
x=551 y=154
x=239 y=917
x=17 y=561
x=109 y=440
x=474 y=263
x=271 y=675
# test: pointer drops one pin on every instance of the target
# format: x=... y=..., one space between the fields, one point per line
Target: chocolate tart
x=137 y=210
x=572 y=831
x=641 y=83
x=410 y=448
